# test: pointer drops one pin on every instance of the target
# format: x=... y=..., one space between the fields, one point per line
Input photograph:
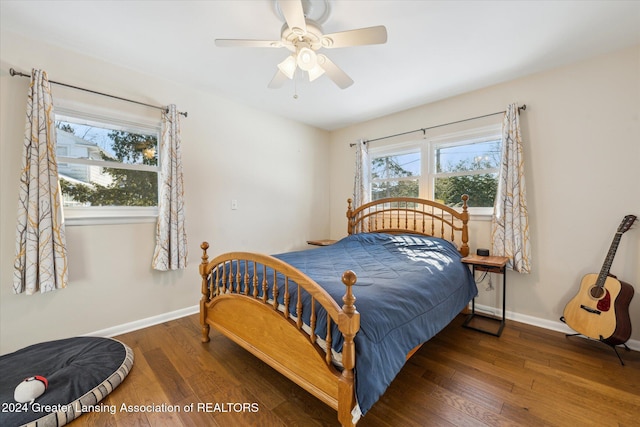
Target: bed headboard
x=412 y=215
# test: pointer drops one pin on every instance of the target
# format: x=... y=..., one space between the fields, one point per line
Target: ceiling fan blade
x=334 y=72
x=294 y=15
x=359 y=37
x=248 y=43
x=278 y=80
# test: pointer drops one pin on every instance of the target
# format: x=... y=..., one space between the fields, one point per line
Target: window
x=107 y=168
x=466 y=167
x=395 y=175
x=442 y=169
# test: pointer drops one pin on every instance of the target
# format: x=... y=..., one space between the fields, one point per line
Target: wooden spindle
x=406 y=215
x=246 y=277
x=238 y=277
x=255 y=279
x=286 y=298
x=224 y=277
x=312 y=321
x=215 y=282
x=433 y=225
x=328 y=340
x=415 y=223
x=265 y=284
x=299 y=309
x=274 y=290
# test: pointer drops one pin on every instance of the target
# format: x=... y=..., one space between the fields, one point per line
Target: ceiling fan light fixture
x=288 y=66
x=307 y=59
x=302 y=34
x=315 y=72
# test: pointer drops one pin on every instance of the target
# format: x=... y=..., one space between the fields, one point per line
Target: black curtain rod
x=423 y=130
x=165 y=109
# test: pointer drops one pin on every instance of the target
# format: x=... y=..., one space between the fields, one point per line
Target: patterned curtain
x=171 y=237
x=510 y=221
x=361 y=187
x=41 y=254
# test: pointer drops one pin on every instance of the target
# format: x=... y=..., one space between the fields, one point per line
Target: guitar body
x=601 y=312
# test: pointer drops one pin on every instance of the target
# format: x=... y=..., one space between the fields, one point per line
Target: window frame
x=427 y=147
x=99 y=215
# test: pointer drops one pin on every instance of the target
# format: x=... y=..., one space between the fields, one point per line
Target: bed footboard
x=256 y=301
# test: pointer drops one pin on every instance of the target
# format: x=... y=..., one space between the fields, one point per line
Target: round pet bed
x=81 y=371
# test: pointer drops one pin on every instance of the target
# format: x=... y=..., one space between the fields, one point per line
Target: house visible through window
x=441 y=169
x=107 y=167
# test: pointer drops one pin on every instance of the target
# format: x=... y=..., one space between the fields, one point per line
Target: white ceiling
x=435 y=49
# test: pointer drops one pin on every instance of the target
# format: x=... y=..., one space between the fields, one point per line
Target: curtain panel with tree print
x=41 y=254
x=171 y=237
x=510 y=221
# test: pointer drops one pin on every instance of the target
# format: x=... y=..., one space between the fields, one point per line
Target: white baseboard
x=144 y=323
x=541 y=323
x=165 y=317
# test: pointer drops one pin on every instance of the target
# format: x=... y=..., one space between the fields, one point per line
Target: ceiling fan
x=304 y=38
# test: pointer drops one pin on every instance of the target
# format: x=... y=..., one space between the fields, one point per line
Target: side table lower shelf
x=491 y=264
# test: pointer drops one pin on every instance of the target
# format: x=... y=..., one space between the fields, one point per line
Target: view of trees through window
x=467 y=169
x=98 y=166
x=458 y=169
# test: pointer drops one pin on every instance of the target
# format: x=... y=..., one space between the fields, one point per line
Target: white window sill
x=73 y=222
x=109 y=215
x=480 y=216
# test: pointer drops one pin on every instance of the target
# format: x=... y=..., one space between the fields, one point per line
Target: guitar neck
x=606 y=267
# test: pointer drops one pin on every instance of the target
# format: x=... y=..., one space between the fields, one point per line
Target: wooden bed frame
x=256 y=321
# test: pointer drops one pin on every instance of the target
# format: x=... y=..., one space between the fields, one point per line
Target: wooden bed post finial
x=205 y=292
x=349 y=278
x=464 y=198
x=204 y=246
x=349 y=216
x=464 y=250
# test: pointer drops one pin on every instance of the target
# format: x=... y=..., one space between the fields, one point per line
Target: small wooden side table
x=491 y=264
x=321 y=242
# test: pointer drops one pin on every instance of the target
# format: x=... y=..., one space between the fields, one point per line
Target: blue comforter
x=409 y=287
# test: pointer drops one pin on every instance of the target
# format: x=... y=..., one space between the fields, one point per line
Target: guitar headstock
x=626 y=223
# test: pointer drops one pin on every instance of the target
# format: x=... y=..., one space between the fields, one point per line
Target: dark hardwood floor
x=529 y=376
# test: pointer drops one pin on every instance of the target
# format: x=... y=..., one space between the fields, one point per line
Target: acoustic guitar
x=600 y=310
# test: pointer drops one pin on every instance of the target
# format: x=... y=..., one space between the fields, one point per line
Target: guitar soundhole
x=597 y=292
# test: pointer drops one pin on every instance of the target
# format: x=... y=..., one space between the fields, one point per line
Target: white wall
x=277 y=169
x=582 y=153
